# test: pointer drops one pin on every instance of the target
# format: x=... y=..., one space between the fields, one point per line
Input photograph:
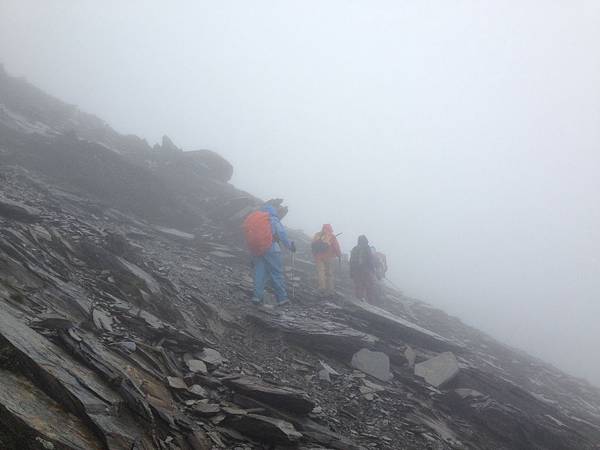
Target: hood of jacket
x=270 y=209
x=327 y=229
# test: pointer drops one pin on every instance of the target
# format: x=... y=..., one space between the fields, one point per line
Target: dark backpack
x=319 y=246
x=361 y=259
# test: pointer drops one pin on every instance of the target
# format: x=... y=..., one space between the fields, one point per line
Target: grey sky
x=463 y=137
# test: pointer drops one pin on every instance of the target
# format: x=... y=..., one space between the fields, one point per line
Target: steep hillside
x=125 y=320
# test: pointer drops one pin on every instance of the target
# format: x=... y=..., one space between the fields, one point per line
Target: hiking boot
x=285 y=301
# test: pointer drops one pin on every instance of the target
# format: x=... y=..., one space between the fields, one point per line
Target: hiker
x=325 y=248
x=381 y=266
x=265 y=235
x=362 y=270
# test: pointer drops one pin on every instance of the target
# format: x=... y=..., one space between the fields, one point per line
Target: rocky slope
x=125 y=321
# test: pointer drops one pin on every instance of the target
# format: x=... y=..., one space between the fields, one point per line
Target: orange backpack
x=257 y=229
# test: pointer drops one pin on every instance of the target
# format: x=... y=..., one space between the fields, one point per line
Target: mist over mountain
x=461 y=139
x=126 y=320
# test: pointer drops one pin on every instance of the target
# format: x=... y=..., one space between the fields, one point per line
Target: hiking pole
x=293 y=281
x=339 y=257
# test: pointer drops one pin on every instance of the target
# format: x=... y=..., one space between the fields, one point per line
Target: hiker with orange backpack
x=325 y=248
x=264 y=235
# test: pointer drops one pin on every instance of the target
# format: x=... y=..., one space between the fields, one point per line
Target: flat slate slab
x=326 y=336
x=140 y=273
x=281 y=397
x=206 y=410
x=263 y=428
x=211 y=356
x=197 y=366
x=376 y=364
x=326 y=437
x=438 y=370
x=410 y=332
x=17 y=211
x=174 y=233
x=39 y=421
x=78 y=389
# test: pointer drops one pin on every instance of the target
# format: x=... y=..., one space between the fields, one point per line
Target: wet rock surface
x=125 y=323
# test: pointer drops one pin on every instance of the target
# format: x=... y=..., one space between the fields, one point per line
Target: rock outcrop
x=209 y=163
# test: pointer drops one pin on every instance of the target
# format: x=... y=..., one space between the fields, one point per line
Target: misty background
x=463 y=138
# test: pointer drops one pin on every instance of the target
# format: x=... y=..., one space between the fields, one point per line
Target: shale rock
x=331 y=337
x=264 y=429
x=205 y=409
x=78 y=388
x=211 y=357
x=281 y=397
x=439 y=370
x=37 y=418
x=197 y=366
x=382 y=322
x=376 y=364
x=18 y=211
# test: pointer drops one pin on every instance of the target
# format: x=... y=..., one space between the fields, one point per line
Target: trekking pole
x=339 y=257
x=293 y=281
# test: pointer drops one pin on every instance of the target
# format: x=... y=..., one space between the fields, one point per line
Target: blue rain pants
x=268 y=266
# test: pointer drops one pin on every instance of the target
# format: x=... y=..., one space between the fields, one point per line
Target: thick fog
x=463 y=138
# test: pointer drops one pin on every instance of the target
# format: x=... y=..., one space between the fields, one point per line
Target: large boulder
x=439 y=370
x=376 y=364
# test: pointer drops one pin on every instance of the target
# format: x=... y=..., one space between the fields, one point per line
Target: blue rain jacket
x=279 y=234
